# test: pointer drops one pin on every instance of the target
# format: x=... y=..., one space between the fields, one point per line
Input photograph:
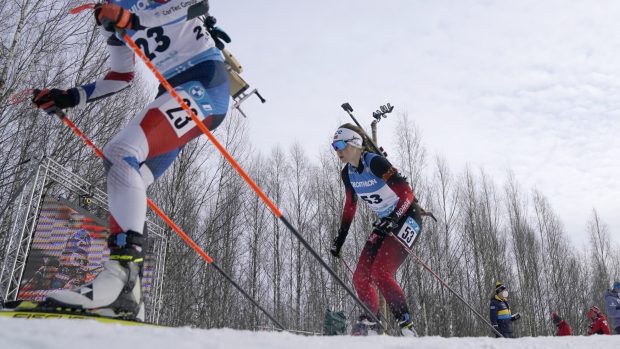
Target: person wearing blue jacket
x=500 y=313
x=612 y=302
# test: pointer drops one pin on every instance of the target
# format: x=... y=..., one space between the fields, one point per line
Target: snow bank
x=84 y=334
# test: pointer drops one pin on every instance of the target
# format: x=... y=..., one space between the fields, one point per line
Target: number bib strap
x=409 y=232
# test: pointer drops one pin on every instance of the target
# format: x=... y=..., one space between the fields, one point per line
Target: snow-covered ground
x=83 y=334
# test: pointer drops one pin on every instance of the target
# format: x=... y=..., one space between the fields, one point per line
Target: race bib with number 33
x=409 y=232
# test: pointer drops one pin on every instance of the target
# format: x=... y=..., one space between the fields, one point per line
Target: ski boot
x=406 y=326
x=366 y=327
x=116 y=291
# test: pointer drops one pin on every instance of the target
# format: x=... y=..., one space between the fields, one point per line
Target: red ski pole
x=62 y=116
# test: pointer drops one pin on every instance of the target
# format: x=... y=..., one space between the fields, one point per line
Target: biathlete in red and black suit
x=372 y=178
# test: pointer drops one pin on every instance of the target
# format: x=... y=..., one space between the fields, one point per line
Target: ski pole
x=347 y=265
x=240 y=171
x=62 y=116
x=444 y=284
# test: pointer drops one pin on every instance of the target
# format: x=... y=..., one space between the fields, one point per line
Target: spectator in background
x=500 y=315
x=599 y=322
x=612 y=302
x=564 y=328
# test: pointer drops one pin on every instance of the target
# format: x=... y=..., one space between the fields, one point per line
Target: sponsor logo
x=197 y=91
x=142 y=5
x=367 y=183
x=403 y=208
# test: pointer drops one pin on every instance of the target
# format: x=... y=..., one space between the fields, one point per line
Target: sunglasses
x=339 y=145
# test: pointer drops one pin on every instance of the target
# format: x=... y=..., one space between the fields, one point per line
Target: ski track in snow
x=84 y=334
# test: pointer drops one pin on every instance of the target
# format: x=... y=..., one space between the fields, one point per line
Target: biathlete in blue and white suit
x=184 y=52
x=372 y=178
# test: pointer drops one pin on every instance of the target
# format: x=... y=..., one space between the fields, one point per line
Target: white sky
x=532 y=86
x=85 y=334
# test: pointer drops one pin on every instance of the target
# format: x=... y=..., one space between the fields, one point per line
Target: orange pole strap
x=151 y=204
x=202 y=127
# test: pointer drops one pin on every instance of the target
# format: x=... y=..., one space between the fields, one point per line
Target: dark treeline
x=484 y=232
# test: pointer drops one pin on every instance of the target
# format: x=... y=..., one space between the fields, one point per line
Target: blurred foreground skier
x=181 y=47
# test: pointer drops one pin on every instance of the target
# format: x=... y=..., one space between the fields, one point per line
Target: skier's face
x=349 y=154
x=504 y=294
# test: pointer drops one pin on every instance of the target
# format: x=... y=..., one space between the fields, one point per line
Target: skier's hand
x=515 y=317
x=386 y=225
x=336 y=246
x=217 y=33
x=112 y=17
x=54 y=99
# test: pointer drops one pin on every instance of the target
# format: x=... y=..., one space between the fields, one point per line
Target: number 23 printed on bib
x=178 y=118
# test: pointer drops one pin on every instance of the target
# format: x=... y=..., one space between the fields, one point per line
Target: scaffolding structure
x=50 y=178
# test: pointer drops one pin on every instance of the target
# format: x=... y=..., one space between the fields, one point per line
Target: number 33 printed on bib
x=409 y=232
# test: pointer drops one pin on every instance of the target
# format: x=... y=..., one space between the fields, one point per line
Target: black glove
x=54 y=99
x=217 y=33
x=386 y=225
x=515 y=317
x=337 y=245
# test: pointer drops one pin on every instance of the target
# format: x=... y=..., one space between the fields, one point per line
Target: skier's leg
x=116 y=289
x=389 y=258
x=136 y=157
x=362 y=280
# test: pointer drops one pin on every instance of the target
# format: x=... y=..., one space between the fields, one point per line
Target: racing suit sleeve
x=119 y=76
x=349 y=209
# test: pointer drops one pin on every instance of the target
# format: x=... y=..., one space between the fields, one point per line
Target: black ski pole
x=328 y=268
x=444 y=284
